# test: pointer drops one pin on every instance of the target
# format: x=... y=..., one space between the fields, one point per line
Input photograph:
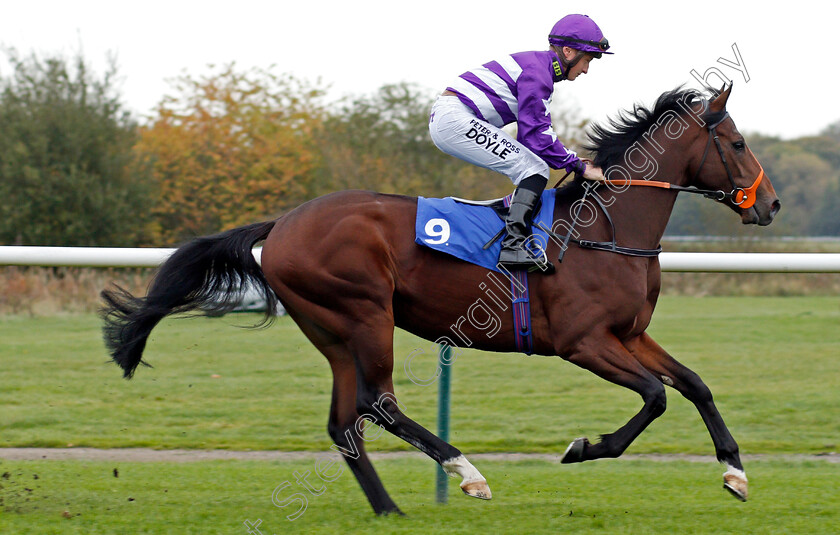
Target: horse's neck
x=640 y=215
x=642 y=212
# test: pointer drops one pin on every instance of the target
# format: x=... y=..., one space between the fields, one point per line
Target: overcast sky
x=786 y=48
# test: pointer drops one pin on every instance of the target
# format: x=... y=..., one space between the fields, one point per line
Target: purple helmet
x=581 y=33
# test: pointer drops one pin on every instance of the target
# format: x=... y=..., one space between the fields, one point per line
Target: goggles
x=603 y=45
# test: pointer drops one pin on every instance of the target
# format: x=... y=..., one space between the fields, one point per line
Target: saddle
x=501 y=205
x=471 y=230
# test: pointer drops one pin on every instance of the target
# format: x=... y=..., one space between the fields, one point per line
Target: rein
x=741 y=197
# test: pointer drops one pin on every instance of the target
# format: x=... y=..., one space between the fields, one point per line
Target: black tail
x=206 y=273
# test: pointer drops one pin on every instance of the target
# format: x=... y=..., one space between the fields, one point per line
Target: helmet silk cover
x=580 y=33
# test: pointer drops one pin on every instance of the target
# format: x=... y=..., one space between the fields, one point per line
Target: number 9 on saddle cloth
x=469 y=230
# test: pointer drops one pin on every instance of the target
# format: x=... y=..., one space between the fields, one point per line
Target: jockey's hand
x=592 y=172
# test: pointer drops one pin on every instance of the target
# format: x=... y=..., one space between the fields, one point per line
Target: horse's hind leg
x=372 y=345
x=344 y=426
x=345 y=429
x=606 y=357
x=686 y=382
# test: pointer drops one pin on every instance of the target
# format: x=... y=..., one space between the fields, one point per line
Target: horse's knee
x=695 y=390
x=366 y=400
x=614 y=444
x=335 y=431
x=656 y=399
x=383 y=409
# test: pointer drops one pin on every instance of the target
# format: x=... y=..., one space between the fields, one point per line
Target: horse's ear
x=719 y=103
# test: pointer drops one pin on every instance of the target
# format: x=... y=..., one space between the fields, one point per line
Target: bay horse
x=348 y=271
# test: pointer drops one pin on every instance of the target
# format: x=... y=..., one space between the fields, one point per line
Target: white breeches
x=457 y=131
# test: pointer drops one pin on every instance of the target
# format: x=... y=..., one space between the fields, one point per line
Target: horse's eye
x=739 y=146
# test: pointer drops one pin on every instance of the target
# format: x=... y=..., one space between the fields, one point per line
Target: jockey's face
x=581 y=67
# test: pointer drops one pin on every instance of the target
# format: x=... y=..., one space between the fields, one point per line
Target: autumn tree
x=381 y=142
x=229 y=148
x=66 y=169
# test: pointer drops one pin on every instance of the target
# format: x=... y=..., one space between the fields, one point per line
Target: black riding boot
x=514 y=255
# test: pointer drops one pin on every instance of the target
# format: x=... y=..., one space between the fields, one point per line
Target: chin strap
x=562 y=67
x=574 y=60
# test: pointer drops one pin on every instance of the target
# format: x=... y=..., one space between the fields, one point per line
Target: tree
x=825 y=146
x=833 y=131
x=381 y=142
x=827 y=218
x=230 y=148
x=66 y=170
x=801 y=178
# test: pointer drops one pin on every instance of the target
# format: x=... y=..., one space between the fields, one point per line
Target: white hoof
x=477 y=489
x=473 y=483
x=735 y=481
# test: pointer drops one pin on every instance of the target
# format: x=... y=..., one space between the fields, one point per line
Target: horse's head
x=724 y=162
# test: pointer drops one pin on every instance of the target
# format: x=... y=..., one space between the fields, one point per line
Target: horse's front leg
x=605 y=356
x=669 y=371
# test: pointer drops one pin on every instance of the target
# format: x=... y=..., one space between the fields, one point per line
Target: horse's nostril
x=774 y=209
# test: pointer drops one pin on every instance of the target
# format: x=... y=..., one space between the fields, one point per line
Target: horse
x=348 y=271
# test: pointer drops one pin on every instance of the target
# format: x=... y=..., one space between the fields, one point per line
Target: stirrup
x=544 y=266
x=529 y=262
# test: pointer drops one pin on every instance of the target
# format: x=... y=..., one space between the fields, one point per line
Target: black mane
x=609 y=143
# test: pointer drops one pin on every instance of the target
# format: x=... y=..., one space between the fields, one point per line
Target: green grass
x=529 y=497
x=771 y=363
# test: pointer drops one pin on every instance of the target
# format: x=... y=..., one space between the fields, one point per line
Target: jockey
x=466 y=122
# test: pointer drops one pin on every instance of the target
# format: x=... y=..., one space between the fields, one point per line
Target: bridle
x=741 y=197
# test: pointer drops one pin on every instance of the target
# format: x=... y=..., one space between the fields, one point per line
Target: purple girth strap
x=521 y=312
x=521 y=307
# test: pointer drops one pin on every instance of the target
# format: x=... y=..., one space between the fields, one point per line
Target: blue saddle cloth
x=461 y=230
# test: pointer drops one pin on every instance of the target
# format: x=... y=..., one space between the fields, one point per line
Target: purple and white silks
x=518 y=89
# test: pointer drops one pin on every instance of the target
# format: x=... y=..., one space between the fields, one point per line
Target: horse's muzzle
x=761 y=214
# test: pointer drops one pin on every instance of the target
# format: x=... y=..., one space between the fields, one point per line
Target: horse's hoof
x=735 y=481
x=574 y=453
x=473 y=483
x=477 y=489
x=394 y=511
